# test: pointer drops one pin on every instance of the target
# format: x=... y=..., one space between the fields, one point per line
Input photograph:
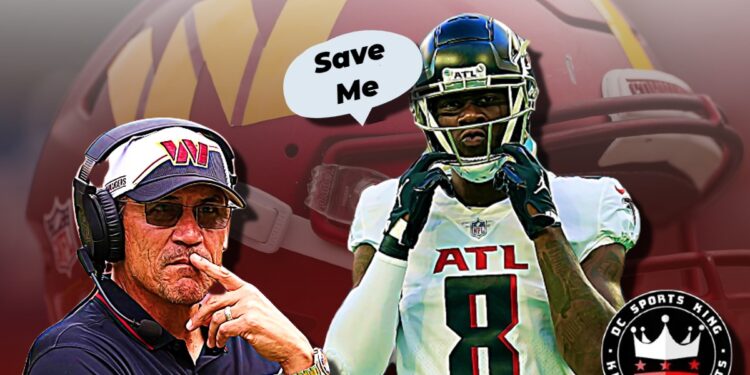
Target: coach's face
x=157 y=257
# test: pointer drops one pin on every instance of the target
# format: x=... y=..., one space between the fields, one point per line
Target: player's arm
x=582 y=300
x=358 y=304
x=580 y=313
x=363 y=331
x=603 y=267
x=354 y=354
x=363 y=255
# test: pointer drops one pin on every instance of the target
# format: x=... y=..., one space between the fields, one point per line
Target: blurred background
x=44 y=46
x=694 y=233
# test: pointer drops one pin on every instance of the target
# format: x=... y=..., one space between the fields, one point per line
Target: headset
x=96 y=212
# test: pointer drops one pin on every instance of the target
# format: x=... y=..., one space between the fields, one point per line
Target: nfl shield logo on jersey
x=58 y=225
x=478 y=227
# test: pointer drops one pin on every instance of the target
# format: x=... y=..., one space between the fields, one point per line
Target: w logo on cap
x=187 y=152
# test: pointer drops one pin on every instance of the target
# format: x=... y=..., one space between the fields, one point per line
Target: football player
x=489 y=264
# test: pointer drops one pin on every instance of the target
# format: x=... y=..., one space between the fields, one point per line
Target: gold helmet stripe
x=226 y=30
x=302 y=24
x=127 y=75
x=624 y=34
x=174 y=82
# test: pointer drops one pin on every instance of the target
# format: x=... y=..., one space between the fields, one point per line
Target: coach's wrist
x=319 y=364
x=299 y=360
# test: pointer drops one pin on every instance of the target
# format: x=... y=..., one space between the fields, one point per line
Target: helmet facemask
x=521 y=93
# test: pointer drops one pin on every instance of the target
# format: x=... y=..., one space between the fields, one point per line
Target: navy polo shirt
x=93 y=340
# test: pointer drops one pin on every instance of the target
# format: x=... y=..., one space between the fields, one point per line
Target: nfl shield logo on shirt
x=478 y=227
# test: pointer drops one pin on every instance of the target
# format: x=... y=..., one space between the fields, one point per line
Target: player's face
x=471 y=108
x=156 y=258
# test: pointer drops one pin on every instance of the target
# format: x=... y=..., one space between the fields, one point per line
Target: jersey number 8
x=482 y=310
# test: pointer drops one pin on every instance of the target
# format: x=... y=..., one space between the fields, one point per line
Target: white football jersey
x=473 y=299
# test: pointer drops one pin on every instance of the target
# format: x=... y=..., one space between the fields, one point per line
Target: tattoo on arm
x=579 y=313
x=363 y=255
x=604 y=267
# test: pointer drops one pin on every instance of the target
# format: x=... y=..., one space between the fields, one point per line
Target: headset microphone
x=146 y=328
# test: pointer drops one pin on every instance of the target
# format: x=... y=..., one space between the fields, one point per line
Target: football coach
x=165 y=305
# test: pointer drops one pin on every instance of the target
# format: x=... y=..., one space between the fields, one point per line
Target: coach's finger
x=229 y=330
x=226 y=278
x=218 y=318
x=212 y=303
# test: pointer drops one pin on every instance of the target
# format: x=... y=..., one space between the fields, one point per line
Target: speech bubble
x=351 y=74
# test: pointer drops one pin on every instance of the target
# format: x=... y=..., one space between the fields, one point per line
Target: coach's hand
x=409 y=214
x=253 y=317
x=526 y=182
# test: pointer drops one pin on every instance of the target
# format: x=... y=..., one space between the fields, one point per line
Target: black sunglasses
x=167 y=214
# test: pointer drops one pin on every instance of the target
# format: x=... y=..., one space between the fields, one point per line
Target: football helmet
x=473 y=52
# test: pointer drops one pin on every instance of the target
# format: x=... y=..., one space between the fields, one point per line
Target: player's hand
x=409 y=215
x=527 y=184
x=254 y=318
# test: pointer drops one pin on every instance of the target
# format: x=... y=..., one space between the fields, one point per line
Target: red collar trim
x=123 y=322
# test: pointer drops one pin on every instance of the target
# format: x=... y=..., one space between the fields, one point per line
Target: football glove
x=414 y=197
x=526 y=183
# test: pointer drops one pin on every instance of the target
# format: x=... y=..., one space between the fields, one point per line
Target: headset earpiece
x=103 y=228
x=112 y=225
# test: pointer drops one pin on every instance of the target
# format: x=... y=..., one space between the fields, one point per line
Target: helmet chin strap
x=479 y=173
x=483 y=172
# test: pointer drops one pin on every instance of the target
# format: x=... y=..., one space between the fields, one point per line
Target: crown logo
x=665 y=348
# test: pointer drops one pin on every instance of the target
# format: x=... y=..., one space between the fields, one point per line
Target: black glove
x=415 y=189
x=526 y=182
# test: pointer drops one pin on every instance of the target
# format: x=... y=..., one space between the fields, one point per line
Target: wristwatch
x=319 y=367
